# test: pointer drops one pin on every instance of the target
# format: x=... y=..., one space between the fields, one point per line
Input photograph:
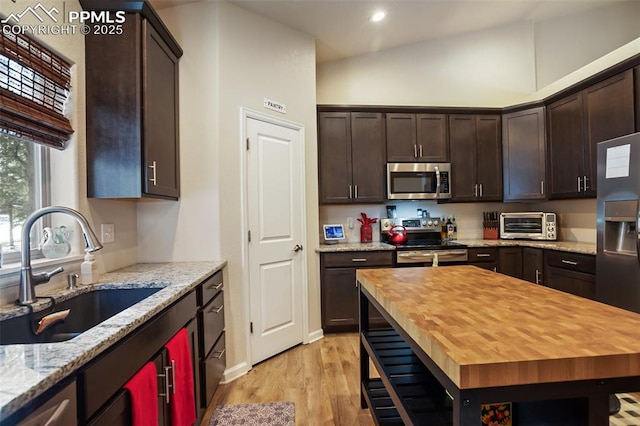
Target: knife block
x=490 y=234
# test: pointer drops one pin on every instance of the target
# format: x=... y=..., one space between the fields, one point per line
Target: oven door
x=522 y=225
x=418 y=181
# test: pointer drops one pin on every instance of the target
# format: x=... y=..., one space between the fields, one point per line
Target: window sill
x=10 y=273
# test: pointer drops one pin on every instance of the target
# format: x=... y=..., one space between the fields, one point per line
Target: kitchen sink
x=86 y=310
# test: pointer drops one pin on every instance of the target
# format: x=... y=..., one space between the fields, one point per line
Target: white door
x=275 y=206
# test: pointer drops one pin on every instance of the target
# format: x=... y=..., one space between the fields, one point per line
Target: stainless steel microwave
x=528 y=226
x=418 y=181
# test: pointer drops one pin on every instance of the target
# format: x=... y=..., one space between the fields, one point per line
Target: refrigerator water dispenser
x=620 y=227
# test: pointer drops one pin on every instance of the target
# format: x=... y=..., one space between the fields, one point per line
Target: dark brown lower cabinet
x=339 y=294
x=510 y=261
x=532 y=264
x=486 y=258
x=570 y=272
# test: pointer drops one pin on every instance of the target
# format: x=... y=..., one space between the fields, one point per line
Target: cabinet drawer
x=210 y=288
x=357 y=259
x=213 y=369
x=483 y=255
x=212 y=322
x=572 y=261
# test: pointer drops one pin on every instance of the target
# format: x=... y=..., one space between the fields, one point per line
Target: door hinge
x=251 y=327
x=247 y=144
x=249 y=235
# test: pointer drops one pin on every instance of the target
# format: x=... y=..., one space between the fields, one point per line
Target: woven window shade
x=34 y=89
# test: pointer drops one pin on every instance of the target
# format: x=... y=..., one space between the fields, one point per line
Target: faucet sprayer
x=28 y=281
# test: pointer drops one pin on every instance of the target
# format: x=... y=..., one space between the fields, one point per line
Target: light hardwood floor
x=321 y=378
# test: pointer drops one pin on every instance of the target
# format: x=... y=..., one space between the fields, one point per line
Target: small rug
x=263 y=414
x=629 y=414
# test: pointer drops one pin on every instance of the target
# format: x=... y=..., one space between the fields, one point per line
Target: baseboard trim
x=314 y=336
x=232 y=373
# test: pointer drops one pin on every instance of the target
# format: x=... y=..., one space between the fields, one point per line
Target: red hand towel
x=143 y=388
x=183 y=403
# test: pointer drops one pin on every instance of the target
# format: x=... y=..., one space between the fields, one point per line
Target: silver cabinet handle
x=586 y=186
x=570 y=262
x=55 y=418
x=420 y=150
x=480 y=190
x=219 y=354
x=475 y=190
x=350 y=192
x=358 y=260
x=216 y=310
x=542 y=187
x=173 y=376
x=154 y=168
x=215 y=286
x=415 y=150
x=538 y=277
x=483 y=255
x=356 y=191
x=167 y=385
x=579 y=183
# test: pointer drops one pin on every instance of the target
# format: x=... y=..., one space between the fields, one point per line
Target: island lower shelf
x=413 y=387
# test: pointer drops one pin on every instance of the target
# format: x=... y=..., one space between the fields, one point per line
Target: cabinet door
x=573 y=282
x=368 y=157
x=193 y=331
x=334 y=157
x=532 y=264
x=462 y=141
x=636 y=79
x=339 y=298
x=489 y=157
x=401 y=138
x=609 y=113
x=566 y=153
x=432 y=138
x=510 y=262
x=524 y=155
x=160 y=116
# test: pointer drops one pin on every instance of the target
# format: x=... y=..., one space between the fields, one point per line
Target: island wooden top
x=487 y=329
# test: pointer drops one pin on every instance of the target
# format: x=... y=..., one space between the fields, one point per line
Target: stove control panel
x=412 y=224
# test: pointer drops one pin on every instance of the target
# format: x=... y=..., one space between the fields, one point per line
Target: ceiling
x=342 y=28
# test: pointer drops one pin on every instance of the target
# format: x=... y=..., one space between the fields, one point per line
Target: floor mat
x=629 y=414
x=263 y=414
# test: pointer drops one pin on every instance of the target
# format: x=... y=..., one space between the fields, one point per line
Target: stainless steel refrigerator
x=618 y=258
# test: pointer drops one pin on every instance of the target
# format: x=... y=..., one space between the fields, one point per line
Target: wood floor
x=321 y=378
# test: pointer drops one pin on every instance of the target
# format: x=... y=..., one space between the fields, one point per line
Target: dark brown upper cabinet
x=524 y=155
x=417 y=138
x=476 y=157
x=577 y=123
x=351 y=156
x=132 y=109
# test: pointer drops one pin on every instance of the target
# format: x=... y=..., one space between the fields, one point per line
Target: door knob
x=297 y=248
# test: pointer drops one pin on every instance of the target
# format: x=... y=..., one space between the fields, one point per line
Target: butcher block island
x=468 y=346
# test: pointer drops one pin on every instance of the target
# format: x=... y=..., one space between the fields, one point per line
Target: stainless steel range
x=422 y=243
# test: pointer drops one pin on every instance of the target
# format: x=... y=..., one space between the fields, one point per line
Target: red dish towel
x=183 y=402
x=143 y=388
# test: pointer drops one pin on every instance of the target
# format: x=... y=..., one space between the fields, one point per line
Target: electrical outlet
x=108 y=233
x=350 y=222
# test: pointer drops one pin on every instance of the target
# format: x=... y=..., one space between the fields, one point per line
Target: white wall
x=563 y=45
x=233 y=59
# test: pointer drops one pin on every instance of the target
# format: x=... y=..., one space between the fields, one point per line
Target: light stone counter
x=568 y=246
x=27 y=371
x=340 y=247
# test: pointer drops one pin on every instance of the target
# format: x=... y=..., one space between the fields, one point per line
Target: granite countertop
x=568 y=246
x=26 y=371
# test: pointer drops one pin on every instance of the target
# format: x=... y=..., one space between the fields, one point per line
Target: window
x=23 y=189
x=34 y=90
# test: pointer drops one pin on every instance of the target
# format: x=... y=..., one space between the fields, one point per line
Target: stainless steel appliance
x=418 y=181
x=423 y=243
x=528 y=226
x=618 y=220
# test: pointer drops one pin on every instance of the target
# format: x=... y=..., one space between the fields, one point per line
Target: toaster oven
x=528 y=226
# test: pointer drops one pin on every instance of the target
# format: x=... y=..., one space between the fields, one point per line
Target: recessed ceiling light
x=378 y=16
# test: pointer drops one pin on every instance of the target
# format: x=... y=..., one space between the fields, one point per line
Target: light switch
x=108 y=233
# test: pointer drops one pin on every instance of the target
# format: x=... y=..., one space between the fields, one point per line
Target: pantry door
x=275 y=212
